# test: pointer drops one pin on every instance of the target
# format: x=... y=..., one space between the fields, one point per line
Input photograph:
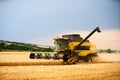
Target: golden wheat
x=18 y=66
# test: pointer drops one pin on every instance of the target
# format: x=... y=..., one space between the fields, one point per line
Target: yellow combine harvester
x=72 y=48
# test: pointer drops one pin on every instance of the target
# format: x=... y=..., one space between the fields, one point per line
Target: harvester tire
x=65 y=57
x=32 y=56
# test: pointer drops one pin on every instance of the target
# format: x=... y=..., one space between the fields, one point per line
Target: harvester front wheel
x=65 y=57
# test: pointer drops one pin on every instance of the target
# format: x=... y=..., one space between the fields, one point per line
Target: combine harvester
x=71 y=48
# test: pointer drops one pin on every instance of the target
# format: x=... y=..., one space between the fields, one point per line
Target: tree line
x=108 y=51
x=7 y=45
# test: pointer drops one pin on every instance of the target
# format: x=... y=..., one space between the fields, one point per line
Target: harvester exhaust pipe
x=96 y=29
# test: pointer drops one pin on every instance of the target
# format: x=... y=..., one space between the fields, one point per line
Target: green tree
x=109 y=51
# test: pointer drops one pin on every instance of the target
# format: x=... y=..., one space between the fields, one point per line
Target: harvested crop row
x=41 y=62
x=99 y=71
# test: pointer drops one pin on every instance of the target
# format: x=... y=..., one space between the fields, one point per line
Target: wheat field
x=18 y=66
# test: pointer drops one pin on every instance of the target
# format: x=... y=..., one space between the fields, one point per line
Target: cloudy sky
x=39 y=21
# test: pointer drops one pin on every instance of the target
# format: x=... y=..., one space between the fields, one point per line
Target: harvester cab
x=61 y=44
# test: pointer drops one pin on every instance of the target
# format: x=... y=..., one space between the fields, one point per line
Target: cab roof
x=71 y=35
x=61 y=38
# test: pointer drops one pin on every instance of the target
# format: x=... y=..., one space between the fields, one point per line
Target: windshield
x=60 y=44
